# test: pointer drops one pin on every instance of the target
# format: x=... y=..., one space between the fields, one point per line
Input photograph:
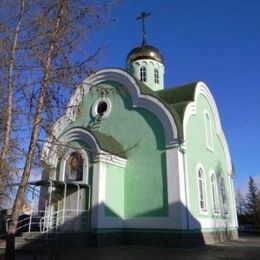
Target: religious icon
x=74 y=167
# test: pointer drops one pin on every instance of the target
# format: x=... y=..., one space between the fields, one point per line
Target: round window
x=102 y=108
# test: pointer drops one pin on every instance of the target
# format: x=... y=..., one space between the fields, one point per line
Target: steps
x=32 y=241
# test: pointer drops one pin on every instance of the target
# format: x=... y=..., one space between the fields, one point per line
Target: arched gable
x=202 y=89
x=115 y=153
x=139 y=100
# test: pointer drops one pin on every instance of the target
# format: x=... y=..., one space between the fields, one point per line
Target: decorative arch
x=191 y=110
x=139 y=100
x=50 y=153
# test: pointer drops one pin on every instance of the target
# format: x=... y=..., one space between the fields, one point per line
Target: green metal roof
x=109 y=144
x=179 y=97
x=179 y=94
x=174 y=99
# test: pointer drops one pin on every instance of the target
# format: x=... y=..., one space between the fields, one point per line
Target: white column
x=176 y=188
x=232 y=193
x=97 y=198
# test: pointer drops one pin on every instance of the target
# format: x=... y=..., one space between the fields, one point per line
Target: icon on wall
x=74 y=167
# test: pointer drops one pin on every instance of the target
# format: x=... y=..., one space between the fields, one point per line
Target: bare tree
x=9 y=59
x=52 y=31
x=43 y=67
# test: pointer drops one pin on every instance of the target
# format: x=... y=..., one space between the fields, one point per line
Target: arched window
x=201 y=184
x=208 y=127
x=156 y=76
x=74 y=167
x=223 y=196
x=214 y=193
x=143 y=74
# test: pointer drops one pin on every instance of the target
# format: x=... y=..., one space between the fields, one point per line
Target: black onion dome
x=144 y=52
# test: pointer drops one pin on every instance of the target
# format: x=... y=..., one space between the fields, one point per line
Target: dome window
x=156 y=76
x=143 y=77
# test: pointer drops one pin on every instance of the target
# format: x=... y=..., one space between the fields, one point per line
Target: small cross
x=142 y=16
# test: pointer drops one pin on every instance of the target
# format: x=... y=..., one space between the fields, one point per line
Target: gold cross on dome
x=142 y=16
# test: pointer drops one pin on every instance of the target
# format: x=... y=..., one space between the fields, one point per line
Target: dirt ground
x=247 y=247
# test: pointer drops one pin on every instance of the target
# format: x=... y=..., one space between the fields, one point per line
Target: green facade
x=156 y=186
x=141 y=136
x=212 y=161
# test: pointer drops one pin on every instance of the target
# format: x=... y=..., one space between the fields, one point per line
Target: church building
x=134 y=161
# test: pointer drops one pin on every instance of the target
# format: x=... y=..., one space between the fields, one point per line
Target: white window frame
x=208 y=131
x=214 y=194
x=156 y=76
x=83 y=153
x=143 y=74
x=203 y=211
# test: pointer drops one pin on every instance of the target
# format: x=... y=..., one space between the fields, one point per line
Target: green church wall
x=114 y=203
x=211 y=160
x=142 y=137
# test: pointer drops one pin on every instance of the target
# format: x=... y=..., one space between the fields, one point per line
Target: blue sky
x=217 y=42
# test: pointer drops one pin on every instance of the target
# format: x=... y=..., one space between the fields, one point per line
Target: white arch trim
x=202 y=89
x=64 y=159
x=50 y=151
x=139 y=100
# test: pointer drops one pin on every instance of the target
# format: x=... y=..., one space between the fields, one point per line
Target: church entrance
x=76 y=210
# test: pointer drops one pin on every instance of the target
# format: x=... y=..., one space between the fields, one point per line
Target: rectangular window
x=202 y=190
x=208 y=128
x=143 y=74
x=223 y=195
x=156 y=76
x=214 y=194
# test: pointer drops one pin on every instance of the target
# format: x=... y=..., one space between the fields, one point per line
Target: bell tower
x=146 y=62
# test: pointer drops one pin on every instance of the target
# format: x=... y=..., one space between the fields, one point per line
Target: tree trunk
x=36 y=123
x=9 y=107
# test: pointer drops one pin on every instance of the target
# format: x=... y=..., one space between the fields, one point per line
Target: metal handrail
x=32 y=214
x=57 y=218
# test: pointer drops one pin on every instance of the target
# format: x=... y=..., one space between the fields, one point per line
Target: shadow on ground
x=247 y=247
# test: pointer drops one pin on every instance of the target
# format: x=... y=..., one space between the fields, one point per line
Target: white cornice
x=111 y=159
